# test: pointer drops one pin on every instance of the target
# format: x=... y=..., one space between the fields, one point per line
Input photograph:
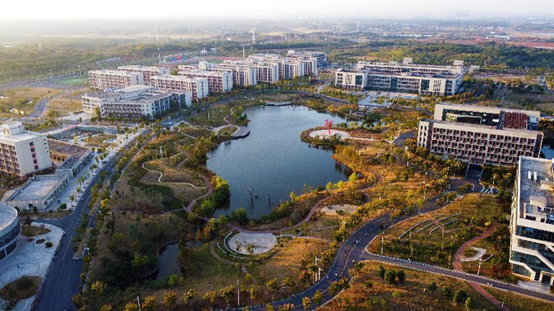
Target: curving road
x=354 y=249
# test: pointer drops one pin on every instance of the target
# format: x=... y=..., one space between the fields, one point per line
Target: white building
x=532 y=221
x=109 y=79
x=218 y=81
x=405 y=77
x=39 y=191
x=146 y=71
x=22 y=152
x=135 y=101
x=321 y=57
x=198 y=87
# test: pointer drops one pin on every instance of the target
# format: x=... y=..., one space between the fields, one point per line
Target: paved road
x=354 y=249
x=62 y=280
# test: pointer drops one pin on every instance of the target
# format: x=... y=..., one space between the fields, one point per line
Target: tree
x=188 y=296
x=149 y=303
x=353 y=177
x=273 y=287
x=170 y=299
x=289 y=284
x=269 y=307
x=368 y=285
x=381 y=272
x=98 y=287
x=286 y=307
x=447 y=292
x=292 y=196
x=318 y=297
x=211 y=296
x=470 y=304
x=227 y=293
x=131 y=306
x=459 y=296
x=432 y=287
x=306 y=303
x=390 y=277
x=106 y=308
x=401 y=275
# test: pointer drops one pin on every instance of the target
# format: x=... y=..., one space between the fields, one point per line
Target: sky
x=75 y=9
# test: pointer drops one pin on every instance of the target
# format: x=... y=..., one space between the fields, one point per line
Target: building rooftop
x=140 y=68
x=472 y=127
x=7 y=216
x=536 y=189
x=485 y=109
x=74 y=153
x=111 y=72
x=14 y=132
x=38 y=187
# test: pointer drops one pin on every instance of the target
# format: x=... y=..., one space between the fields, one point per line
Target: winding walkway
x=458 y=266
x=189 y=207
x=170 y=182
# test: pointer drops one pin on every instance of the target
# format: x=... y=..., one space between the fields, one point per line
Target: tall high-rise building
x=110 y=79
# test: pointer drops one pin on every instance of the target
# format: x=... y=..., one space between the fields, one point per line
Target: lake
x=273 y=161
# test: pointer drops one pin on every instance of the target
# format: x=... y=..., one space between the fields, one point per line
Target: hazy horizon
x=104 y=9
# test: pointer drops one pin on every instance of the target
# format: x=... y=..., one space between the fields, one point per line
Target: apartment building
x=532 y=221
x=109 y=79
x=291 y=66
x=218 y=81
x=481 y=135
x=321 y=57
x=198 y=87
x=406 y=77
x=243 y=75
x=134 y=102
x=22 y=152
x=146 y=71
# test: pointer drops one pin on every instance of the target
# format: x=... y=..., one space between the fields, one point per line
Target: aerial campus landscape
x=286 y=156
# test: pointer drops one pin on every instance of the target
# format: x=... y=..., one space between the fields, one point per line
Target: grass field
x=30 y=231
x=21 y=288
x=74 y=81
x=461 y=220
x=413 y=294
x=101 y=140
x=68 y=103
x=289 y=260
x=22 y=100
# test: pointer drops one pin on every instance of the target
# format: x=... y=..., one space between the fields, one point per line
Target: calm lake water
x=273 y=161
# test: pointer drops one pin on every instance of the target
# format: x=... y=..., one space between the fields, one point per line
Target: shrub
x=459 y=296
x=401 y=275
x=63 y=206
x=48 y=244
x=470 y=304
x=390 y=277
x=432 y=287
x=381 y=272
x=447 y=292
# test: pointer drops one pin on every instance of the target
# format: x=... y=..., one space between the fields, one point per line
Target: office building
x=135 y=102
x=198 y=87
x=532 y=221
x=110 y=79
x=22 y=152
x=406 y=77
x=146 y=71
x=351 y=79
x=481 y=135
x=218 y=81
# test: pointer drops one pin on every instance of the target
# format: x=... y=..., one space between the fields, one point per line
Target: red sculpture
x=328 y=125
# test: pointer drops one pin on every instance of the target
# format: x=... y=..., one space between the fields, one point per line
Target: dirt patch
x=252 y=244
x=338 y=209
